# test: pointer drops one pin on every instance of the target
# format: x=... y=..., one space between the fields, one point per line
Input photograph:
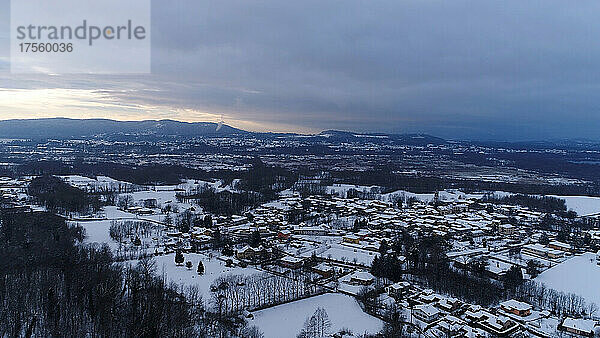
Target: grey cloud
x=458 y=69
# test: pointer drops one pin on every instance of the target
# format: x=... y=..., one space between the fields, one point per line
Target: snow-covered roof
x=363 y=275
x=290 y=259
x=427 y=309
x=515 y=304
x=585 y=325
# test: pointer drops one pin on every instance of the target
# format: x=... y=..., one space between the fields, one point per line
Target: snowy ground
x=182 y=276
x=578 y=275
x=582 y=205
x=98 y=232
x=288 y=319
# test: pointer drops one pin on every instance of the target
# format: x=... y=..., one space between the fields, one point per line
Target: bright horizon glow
x=96 y=104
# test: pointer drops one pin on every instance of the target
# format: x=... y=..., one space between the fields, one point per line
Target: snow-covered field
x=288 y=319
x=582 y=205
x=579 y=275
x=98 y=232
x=213 y=268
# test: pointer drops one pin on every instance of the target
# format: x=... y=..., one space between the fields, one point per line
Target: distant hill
x=409 y=139
x=65 y=128
x=62 y=128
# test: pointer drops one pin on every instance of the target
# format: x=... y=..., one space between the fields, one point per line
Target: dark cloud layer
x=457 y=69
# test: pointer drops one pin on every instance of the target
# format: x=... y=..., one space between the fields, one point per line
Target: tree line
x=235 y=293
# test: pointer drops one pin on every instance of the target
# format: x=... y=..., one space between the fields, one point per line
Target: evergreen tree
x=179 y=257
x=533 y=268
x=208 y=222
x=200 y=268
x=383 y=247
x=255 y=239
x=168 y=220
x=376 y=267
x=513 y=277
x=188 y=265
x=227 y=251
x=544 y=240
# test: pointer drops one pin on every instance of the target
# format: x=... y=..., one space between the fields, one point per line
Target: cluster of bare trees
x=121 y=230
x=316 y=326
x=235 y=293
x=133 y=232
x=559 y=303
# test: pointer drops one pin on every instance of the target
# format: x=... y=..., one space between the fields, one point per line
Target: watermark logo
x=74 y=36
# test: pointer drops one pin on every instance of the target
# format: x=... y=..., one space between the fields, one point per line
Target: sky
x=485 y=70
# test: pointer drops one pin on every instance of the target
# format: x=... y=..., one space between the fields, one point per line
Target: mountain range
x=66 y=128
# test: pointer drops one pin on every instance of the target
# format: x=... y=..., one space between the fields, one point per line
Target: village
x=306 y=248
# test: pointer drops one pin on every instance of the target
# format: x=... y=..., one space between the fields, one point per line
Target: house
x=426 y=312
x=582 y=327
x=238 y=220
x=363 y=233
x=507 y=229
x=200 y=232
x=475 y=313
x=556 y=245
x=291 y=262
x=541 y=251
x=324 y=270
x=499 y=326
x=398 y=289
x=362 y=278
x=428 y=297
x=351 y=239
x=284 y=235
x=451 y=326
x=515 y=307
x=249 y=253
x=144 y=211
x=448 y=304
x=200 y=242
